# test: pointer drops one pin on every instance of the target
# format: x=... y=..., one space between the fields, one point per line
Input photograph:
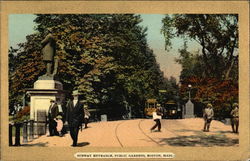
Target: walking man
x=52 y=114
x=157 y=118
x=208 y=116
x=74 y=116
x=235 y=118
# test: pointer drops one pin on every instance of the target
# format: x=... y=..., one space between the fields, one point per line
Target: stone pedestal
x=40 y=96
x=189 y=110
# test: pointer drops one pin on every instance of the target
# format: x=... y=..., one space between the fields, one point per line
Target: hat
x=59 y=117
x=75 y=93
x=209 y=105
x=235 y=104
x=85 y=106
x=52 y=100
x=158 y=105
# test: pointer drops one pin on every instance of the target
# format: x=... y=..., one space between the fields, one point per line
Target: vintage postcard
x=121 y=80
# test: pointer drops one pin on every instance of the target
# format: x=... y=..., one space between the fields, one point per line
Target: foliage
x=105 y=57
x=222 y=94
x=25 y=66
x=171 y=92
x=217 y=34
x=213 y=71
x=22 y=115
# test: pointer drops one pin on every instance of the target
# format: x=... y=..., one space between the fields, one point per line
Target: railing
x=29 y=129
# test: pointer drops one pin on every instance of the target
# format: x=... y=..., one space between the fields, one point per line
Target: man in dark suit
x=52 y=113
x=75 y=115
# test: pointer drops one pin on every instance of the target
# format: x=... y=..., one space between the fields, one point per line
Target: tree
x=221 y=93
x=105 y=57
x=217 y=35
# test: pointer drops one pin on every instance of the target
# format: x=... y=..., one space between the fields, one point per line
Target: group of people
x=76 y=114
x=208 y=114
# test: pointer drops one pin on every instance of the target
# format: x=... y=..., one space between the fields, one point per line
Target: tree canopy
x=217 y=34
x=105 y=56
x=213 y=71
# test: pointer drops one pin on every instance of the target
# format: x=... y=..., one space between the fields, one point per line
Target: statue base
x=48 y=84
x=40 y=96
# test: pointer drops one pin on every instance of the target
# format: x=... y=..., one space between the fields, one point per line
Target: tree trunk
x=228 y=71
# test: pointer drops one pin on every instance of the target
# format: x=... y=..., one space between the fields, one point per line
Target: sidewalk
x=134 y=133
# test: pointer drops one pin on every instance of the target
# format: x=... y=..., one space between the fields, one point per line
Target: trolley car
x=150 y=107
x=171 y=108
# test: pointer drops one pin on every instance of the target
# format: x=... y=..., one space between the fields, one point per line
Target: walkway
x=132 y=133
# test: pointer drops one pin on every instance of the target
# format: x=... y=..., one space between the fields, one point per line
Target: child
x=86 y=115
x=59 y=126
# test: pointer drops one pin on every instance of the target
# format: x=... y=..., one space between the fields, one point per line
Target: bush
x=22 y=115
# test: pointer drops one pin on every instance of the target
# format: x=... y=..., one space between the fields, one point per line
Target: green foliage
x=105 y=57
x=21 y=116
x=213 y=71
x=25 y=66
x=217 y=35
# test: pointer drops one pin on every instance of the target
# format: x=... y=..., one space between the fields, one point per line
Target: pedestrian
x=157 y=116
x=208 y=114
x=86 y=116
x=75 y=115
x=235 y=118
x=52 y=113
x=59 y=125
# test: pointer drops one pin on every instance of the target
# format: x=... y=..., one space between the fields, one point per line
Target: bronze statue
x=49 y=51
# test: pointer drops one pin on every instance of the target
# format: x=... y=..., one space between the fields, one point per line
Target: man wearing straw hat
x=74 y=116
x=208 y=116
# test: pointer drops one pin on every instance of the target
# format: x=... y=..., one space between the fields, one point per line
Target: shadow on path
x=82 y=144
x=201 y=140
x=37 y=144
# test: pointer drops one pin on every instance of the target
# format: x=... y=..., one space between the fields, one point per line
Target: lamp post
x=189 y=91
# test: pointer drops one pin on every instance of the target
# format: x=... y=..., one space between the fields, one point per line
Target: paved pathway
x=131 y=133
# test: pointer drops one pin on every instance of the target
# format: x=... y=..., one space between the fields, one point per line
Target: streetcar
x=172 y=110
x=150 y=107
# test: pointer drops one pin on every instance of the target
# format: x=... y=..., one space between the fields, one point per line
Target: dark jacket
x=74 y=114
x=54 y=111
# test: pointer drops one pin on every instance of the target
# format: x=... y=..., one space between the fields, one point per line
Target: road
x=136 y=133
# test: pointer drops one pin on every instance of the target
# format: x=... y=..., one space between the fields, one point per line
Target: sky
x=21 y=25
x=157 y=43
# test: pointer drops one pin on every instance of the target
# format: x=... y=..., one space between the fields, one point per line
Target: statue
x=49 y=51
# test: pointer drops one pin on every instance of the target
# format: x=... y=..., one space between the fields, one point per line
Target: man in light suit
x=208 y=116
x=235 y=118
x=75 y=115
